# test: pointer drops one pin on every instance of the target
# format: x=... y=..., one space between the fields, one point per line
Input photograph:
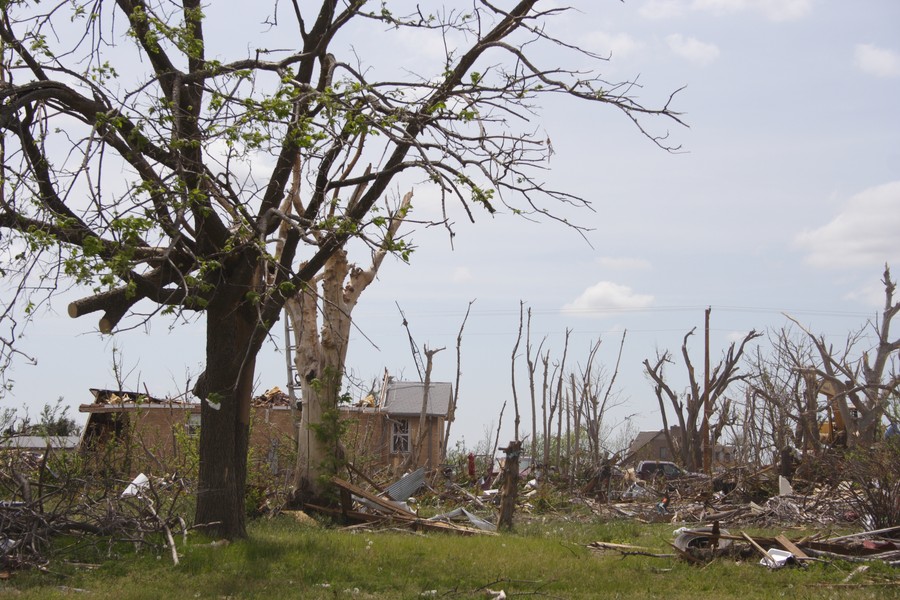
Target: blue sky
x=785 y=199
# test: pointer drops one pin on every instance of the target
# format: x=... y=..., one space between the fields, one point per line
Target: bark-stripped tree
x=147 y=156
x=864 y=382
x=689 y=407
x=781 y=400
x=321 y=319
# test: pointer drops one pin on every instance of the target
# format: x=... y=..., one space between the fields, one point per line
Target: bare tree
x=413 y=457
x=532 y=366
x=139 y=167
x=451 y=414
x=688 y=407
x=780 y=404
x=864 y=382
x=320 y=317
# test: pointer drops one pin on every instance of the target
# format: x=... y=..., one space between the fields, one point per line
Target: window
x=192 y=426
x=671 y=471
x=400 y=436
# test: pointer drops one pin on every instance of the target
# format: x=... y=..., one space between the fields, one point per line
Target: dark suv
x=652 y=469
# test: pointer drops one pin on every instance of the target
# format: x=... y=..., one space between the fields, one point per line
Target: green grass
x=284 y=559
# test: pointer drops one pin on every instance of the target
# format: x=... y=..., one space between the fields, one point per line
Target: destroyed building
x=131 y=431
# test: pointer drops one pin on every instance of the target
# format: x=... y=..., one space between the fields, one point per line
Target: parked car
x=653 y=469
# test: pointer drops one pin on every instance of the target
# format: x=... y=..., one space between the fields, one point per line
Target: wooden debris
x=387 y=511
x=857 y=571
x=626 y=550
x=790 y=546
x=769 y=560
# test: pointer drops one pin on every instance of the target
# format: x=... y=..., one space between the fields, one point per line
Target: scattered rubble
x=361 y=506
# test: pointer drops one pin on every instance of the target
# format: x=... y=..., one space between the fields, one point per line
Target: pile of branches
x=44 y=501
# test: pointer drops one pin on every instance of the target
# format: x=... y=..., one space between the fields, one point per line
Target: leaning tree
x=170 y=158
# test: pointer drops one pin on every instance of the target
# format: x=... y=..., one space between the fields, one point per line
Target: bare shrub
x=874 y=474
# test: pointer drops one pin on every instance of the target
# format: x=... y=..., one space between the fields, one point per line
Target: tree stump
x=509 y=485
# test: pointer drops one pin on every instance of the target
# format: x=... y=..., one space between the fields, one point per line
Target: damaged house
x=381 y=432
x=132 y=432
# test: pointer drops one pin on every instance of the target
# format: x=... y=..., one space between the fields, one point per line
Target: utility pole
x=707 y=408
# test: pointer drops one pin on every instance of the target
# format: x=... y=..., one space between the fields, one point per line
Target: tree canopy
x=179 y=158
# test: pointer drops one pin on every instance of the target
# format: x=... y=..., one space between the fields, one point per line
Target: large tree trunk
x=225 y=389
x=320 y=362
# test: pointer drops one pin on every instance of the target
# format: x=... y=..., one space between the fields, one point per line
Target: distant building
x=382 y=433
x=652 y=445
x=648 y=445
x=133 y=432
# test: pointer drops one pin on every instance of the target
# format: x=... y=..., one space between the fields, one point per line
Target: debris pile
x=359 y=506
x=48 y=501
x=704 y=544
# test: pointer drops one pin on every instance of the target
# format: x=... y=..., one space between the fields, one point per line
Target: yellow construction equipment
x=833 y=430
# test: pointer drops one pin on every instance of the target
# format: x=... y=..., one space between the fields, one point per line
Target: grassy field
x=542 y=559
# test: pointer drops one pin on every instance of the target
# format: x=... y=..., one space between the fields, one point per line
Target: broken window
x=400 y=436
x=192 y=426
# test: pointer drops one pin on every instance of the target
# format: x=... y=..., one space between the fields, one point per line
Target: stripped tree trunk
x=510 y=484
x=412 y=459
x=321 y=349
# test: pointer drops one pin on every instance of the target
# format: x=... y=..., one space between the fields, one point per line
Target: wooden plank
x=862 y=534
x=411 y=521
x=365 y=478
x=790 y=546
x=385 y=504
x=769 y=560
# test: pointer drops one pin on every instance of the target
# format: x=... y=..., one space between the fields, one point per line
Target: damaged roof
x=106 y=400
x=405 y=398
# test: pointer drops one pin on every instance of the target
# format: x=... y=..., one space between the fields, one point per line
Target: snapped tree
x=689 y=407
x=863 y=381
x=148 y=149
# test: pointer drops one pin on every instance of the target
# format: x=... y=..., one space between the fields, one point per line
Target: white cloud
x=461 y=275
x=662 y=9
x=606 y=295
x=877 y=61
x=692 y=49
x=616 y=45
x=864 y=233
x=736 y=337
x=871 y=294
x=774 y=10
x=623 y=263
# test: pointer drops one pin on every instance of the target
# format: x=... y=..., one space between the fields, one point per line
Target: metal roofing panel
x=407 y=485
x=405 y=398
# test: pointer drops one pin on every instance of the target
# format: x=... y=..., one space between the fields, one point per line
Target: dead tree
x=780 y=405
x=529 y=359
x=688 y=407
x=559 y=405
x=865 y=382
x=320 y=317
x=515 y=396
x=415 y=452
x=451 y=414
x=509 y=486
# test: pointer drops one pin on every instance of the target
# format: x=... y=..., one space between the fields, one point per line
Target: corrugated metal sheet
x=407 y=485
x=405 y=398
